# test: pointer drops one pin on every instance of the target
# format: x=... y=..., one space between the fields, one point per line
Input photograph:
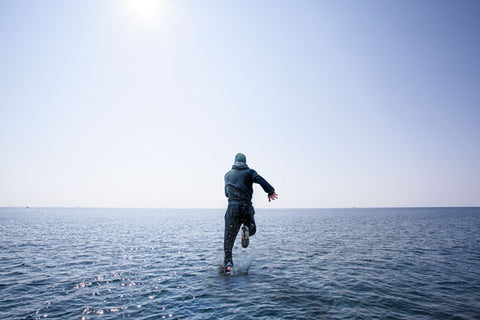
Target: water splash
x=242 y=261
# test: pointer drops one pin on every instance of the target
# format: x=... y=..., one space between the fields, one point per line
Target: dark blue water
x=302 y=264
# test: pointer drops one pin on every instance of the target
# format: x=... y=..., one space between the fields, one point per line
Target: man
x=239 y=189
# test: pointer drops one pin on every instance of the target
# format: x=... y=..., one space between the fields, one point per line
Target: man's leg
x=249 y=220
x=249 y=228
x=232 y=226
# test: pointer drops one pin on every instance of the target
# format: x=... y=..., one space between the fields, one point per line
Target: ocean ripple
x=412 y=263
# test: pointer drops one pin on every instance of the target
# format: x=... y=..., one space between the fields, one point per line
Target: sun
x=143 y=11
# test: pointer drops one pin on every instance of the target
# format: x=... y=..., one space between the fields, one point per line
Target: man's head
x=240 y=157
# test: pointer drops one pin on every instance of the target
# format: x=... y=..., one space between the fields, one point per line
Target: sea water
x=75 y=263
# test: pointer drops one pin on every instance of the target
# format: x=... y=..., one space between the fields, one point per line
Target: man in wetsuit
x=239 y=189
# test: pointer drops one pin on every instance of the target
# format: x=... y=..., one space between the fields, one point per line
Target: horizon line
x=223 y=208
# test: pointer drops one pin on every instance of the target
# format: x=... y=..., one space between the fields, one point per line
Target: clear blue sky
x=144 y=104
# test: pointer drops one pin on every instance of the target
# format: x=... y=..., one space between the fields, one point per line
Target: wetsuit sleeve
x=267 y=187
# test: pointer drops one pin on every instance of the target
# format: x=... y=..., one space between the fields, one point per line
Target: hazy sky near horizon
x=145 y=103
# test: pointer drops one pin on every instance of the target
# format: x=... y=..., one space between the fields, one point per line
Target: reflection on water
x=166 y=264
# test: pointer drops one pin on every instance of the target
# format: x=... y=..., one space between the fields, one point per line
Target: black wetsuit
x=239 y=189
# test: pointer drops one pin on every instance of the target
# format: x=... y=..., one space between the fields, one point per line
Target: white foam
x=242 y=260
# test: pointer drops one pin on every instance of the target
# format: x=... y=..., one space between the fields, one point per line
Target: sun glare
x=143 y=11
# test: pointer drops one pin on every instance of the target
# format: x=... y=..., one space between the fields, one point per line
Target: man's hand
x=272 y=197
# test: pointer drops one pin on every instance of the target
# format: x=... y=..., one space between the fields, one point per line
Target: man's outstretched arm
x=267 y=187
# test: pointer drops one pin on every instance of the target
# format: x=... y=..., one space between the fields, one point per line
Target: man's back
x=239 y=181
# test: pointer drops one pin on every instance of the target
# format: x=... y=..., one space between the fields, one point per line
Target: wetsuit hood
x=240 y=162
x=240 y=157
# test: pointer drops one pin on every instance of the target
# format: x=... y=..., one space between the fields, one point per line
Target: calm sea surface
x=58 y=263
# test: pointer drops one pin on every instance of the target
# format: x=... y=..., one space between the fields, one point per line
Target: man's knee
x=252 y=229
